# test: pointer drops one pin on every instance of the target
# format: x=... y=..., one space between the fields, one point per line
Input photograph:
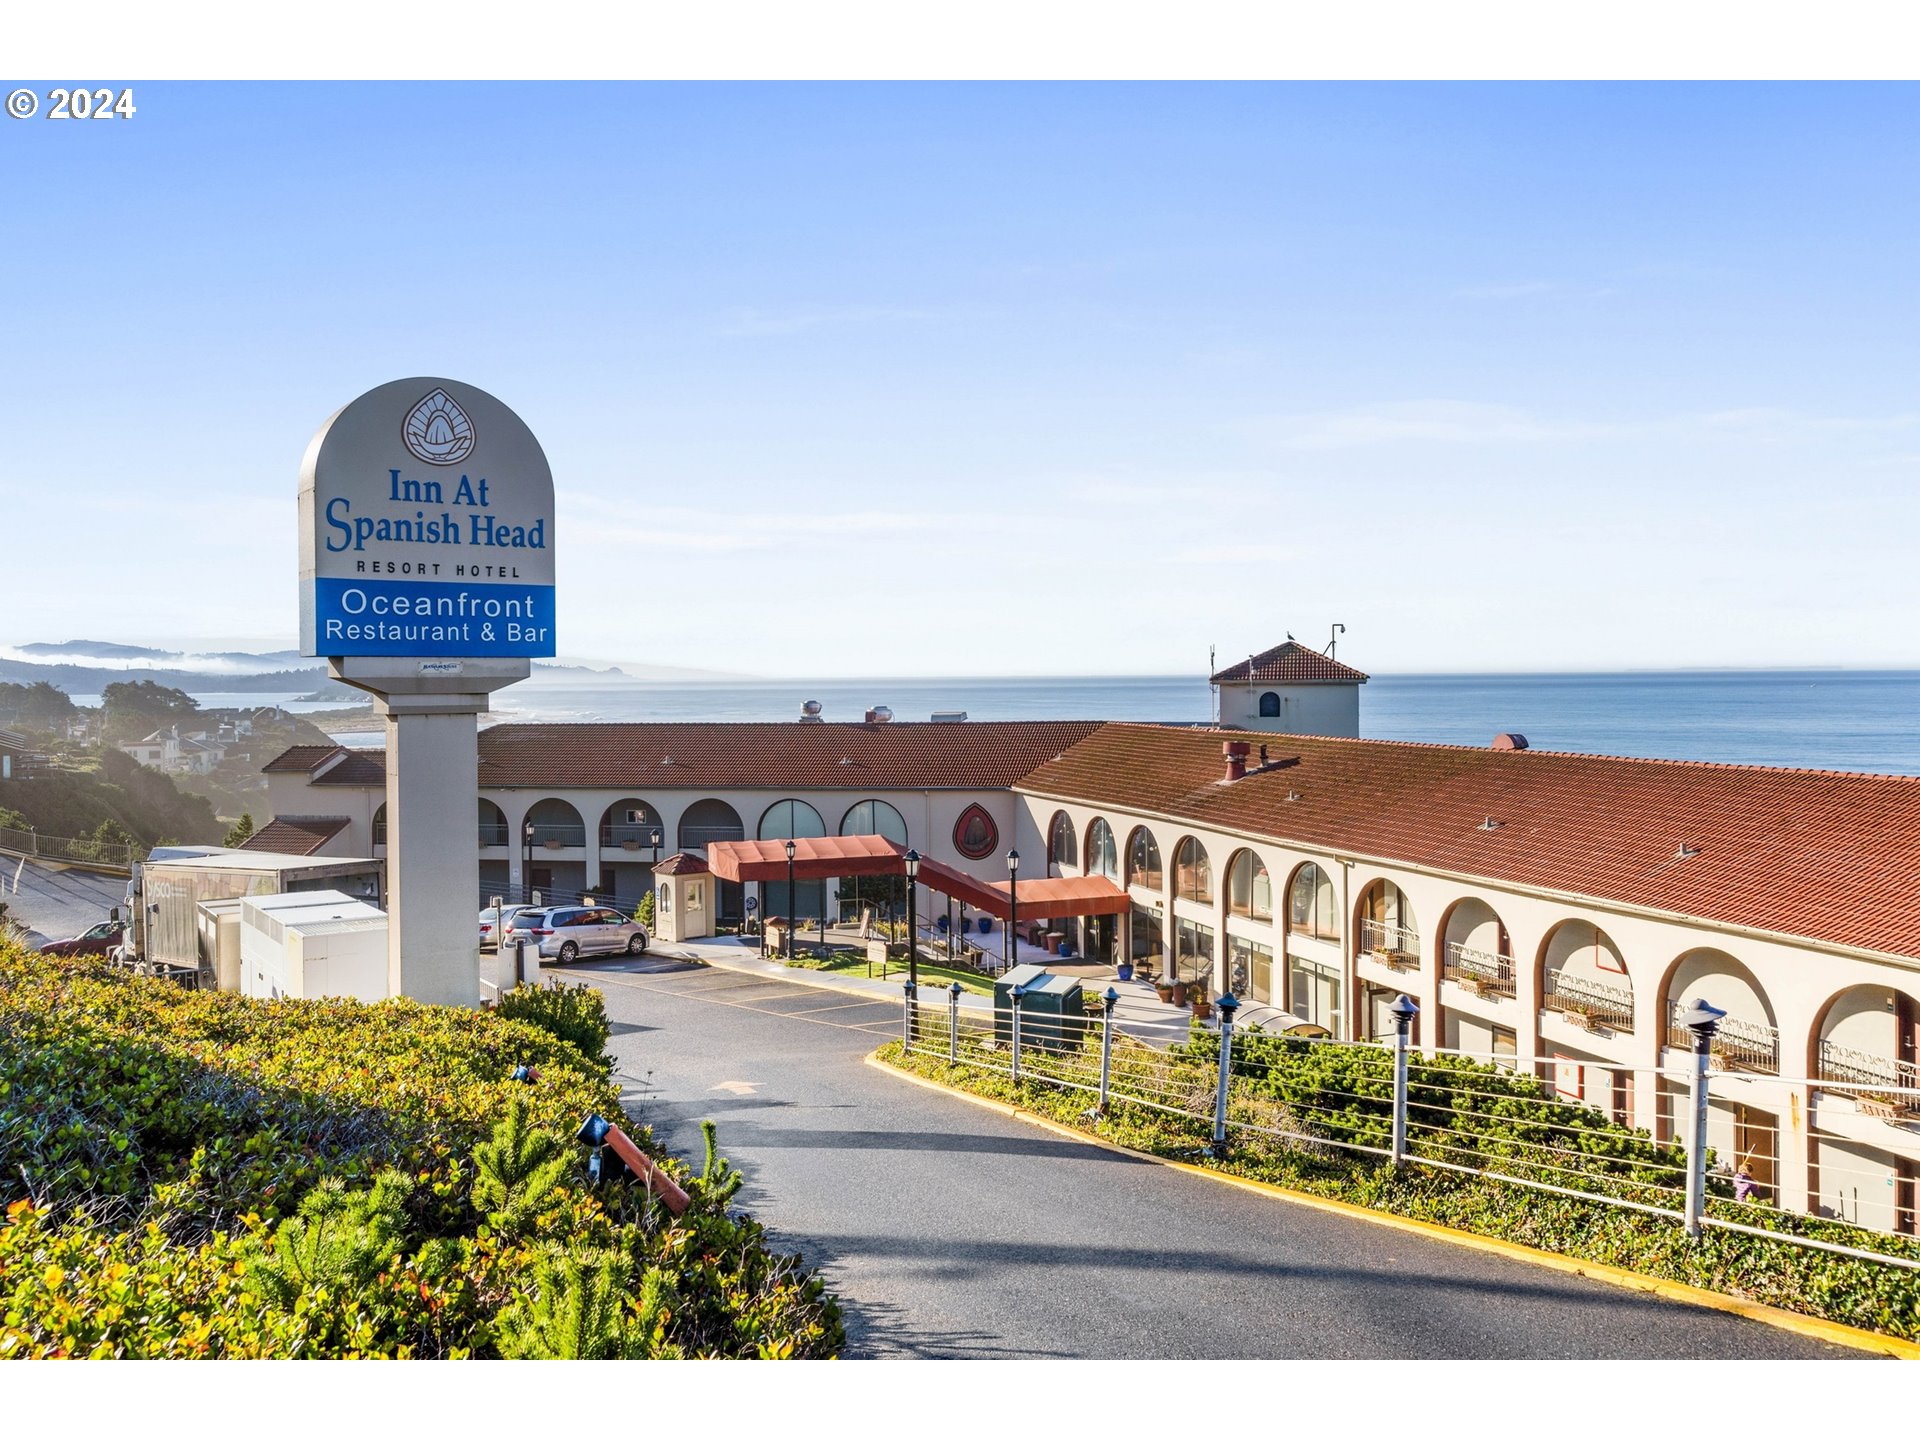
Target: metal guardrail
x=1394 y=945
x=33 y=845
x=1588 y=1002
x=1848 y=1066
x=1739 y=1044
x=1479 y=970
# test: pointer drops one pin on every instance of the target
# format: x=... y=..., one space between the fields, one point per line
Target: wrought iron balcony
x=1739 y=1044
x=1393 y=945
x=633 y=837
x=1593 y=1004
x=553 y=837
x=1481 y=971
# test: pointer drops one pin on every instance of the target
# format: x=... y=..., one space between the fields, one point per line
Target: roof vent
x=879 y=715
x=846 y=759
x=810 y=712
x=1235 y=752
x=1490 y=824
x=949 y=717
x=1293 y=795
x=1686 y=852
x=666 y=759
x=1509 y=740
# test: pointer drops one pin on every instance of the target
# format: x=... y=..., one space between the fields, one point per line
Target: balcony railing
x=1393 y=945
x=1892 y=1086
x=1593 y=1004
x=633 y=837
x=550 y=836
x=1739 y=1044
x=698 y=837
x=489 y=834
x=1479 y=970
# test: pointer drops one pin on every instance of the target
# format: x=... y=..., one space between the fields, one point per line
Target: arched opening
x=1388 y=930
x=1102 y=855
x=793 y=820
x=1479 y=951
x=556 y=826
x=1748 y=1038
x=632 y=824
x=874 y=894
x=707 y=822
x=1269 y=706
x=380 y=822
x=1249 y=888
x=1192 y=872
x=1866 y=1048
x=1062 y=843
x=493 y=824
x=1144 y=869
x=1311 y=906
x=1584 y=977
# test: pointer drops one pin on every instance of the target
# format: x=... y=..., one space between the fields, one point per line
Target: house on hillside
x=177 y=754
x=17 y=762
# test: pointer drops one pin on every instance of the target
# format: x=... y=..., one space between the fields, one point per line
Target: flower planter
x=1123 y=971
x=1164 y=989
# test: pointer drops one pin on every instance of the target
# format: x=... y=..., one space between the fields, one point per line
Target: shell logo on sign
x=438 y=431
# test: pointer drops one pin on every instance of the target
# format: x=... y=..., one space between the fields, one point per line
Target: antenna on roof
x=1213 y=690
x=1334 y=638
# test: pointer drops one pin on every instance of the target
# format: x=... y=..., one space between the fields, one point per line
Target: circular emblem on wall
x=974 y=833
x=438 y=430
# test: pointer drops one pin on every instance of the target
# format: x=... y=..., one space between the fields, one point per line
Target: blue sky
x=1003 y=378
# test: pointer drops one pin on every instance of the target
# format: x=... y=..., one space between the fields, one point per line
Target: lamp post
x=526 y=877
x=793 y=910
x=913 y=921
x=1013 y=904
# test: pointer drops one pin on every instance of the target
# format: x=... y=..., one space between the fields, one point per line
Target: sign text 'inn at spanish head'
x=426 y=528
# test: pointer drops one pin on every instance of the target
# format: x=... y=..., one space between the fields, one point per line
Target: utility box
x=310 y=945
x=1052 y=1009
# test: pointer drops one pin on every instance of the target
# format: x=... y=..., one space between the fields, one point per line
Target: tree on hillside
x=241 y=831
x=39 y=706
x=135 y=708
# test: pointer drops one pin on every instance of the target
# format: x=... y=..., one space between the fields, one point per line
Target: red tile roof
x=1825 y=855
x=306 y=758
x=296 y=834
x=1290 y=663
x=899 y=755
x=358 y=767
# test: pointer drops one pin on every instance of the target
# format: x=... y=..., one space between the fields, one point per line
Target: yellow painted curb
x=1829 y=1331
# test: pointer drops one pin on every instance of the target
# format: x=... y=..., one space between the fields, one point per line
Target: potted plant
x=1124 y=970
x=1163 y=987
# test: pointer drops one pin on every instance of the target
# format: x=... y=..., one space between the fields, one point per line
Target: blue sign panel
x=433 y=617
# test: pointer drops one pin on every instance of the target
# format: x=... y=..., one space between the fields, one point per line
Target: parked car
x=99 y=939
x=493 y=922
x=567 y=932
x=522 y=920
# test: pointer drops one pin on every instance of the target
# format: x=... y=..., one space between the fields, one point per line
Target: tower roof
x=1290 y=663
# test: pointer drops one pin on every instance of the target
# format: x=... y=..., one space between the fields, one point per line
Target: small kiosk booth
x=682 y=899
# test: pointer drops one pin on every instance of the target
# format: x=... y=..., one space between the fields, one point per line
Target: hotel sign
x=426 y=528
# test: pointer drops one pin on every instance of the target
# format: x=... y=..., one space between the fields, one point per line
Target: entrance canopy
x=837 y=856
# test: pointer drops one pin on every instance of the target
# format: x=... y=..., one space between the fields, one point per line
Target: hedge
x=1334 y=1093
x=189 y=1174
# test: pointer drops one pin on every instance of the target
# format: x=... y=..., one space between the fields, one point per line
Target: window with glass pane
x=875 y=817
x=791 y=820
x=1192 y=872
x=1192 y=951
x=1249 y=891
x=1310 y=905
x=1147 y=942
x=1102 y=854
x=1143 y=860
x=1061 y=841
x=1250 y=970
x=1313 y=992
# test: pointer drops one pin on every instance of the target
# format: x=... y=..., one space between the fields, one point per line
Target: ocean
x=1821 y=719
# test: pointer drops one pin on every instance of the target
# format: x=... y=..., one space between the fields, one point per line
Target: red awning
x=1068 y=896
x=820 y=858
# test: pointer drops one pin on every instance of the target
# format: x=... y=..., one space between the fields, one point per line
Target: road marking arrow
x=738 y=1087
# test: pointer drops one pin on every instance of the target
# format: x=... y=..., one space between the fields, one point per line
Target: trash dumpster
x=1052 y=1009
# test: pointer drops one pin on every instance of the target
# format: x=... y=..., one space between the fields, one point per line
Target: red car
x=100 y=940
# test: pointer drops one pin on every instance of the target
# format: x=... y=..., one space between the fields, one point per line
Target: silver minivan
x=567 y=932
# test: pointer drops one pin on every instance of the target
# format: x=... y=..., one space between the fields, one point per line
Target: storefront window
x=1313 y=992
x=1192 y=952
x=1148 y=943
x=1250 y=970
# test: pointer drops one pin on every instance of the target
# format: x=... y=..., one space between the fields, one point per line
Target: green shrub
x=193 y=1174
x=643 y=912
x=576 y=1014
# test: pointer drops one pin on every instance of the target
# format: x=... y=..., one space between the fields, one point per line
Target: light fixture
x=912 y=858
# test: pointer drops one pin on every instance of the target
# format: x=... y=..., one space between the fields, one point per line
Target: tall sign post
x=426 y=579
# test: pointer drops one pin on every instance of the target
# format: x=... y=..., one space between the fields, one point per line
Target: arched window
x=875 y=817
x=1103 y=857
x=380 y=823
x=1269 y=705
x=1311 y=909
x=1387 y=926
x=1062 y=844
x=791 y=820
x=1249 y=891
x=1192 y=872
x=1143 y=860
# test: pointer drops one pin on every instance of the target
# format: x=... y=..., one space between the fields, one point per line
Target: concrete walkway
x=1138 y=1012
